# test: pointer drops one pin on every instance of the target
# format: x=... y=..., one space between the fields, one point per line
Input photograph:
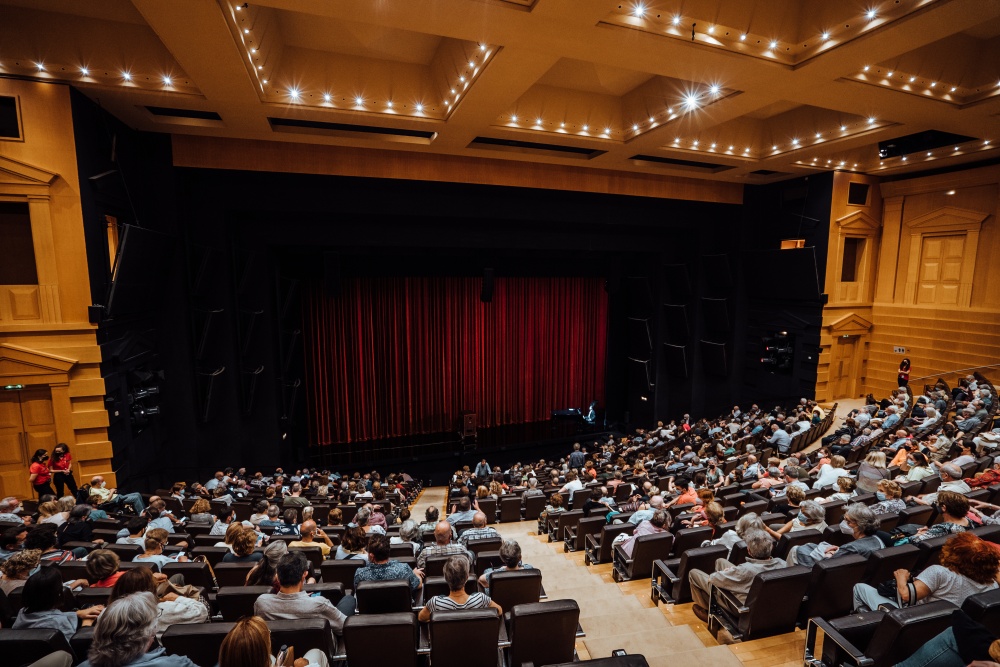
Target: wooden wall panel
x=299 y=158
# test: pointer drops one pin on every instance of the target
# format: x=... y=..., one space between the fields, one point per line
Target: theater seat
x=23 y=647
x=509 y=589
x=510 y=509
x=303 y=634
x=438 y=586
x=341 y=571
x=232 y=574
x=794 y=539
x=645 y=550
x=831 y=587
x=576 y=536
x=984 y=608
x=463 y=638
x=882 y=563
x=542 y=633
x=598 y=549
x=897 y=635
x=394 y=635
x=383 y=597
x=771 y=608
x=200 y=642
x=670 y=577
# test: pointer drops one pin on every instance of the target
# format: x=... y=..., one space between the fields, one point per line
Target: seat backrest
x=510 y=509
x=533 y=506
x=438 y=586
x=304 y=634
x=591 y=525
x=930 y=551
x=72 y=570
x=699 y=558
x=689 y=538
x=831 y=586
x=488 y=506
x=882 y=563
x=314 y=554
x=200 y=642
x=484 y=544
x=564 y=520
x=580 y=498
x=796 y=538
x=646 y=549
x=463 y=638
x=341 y=571
x=920 y=515
x=542 y=633
x=903 y=631
x=758 y=506
x=515 y=587
x=125 y=551
x=774 y=600
x=393 y=634
x=232 y=574
x=383 y=597
x=195 y=574
x=213 y=555
x=23 y=647
x=988 y=533
x=235 y=602
x=984 y=608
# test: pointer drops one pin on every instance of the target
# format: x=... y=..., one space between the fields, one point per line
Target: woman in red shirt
x=40 y=474
x=62 y=471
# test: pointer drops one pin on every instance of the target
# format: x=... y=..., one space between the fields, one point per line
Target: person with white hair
x=10 y=511
x=951 y=480
x=746 y=523
x=124 y=633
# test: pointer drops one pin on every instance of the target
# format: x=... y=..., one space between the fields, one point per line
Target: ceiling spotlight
x=40 y=66
x=389 y=104
x=246 y=31
x=953 y=89
x=462 y=79
x=639 y=11
x=538 y=121
x=670 y=109
x=912 y=79
x=264 y=81
x=694 y=143
x=730 y=148
x=871 y=120
x=359 y=101
x=714 y=89
x=127 y=76
x=326 y=97
x=472 y=64
x=676 y=20
x=691 y=101
x=419 y=107
x=635 y=128
x=795 y=142
x=513 y=118
x=933 y=83
x=260 y=67
x=293 y=93
x=253 y=50
x=677 y=140
x=772 y=46
x=713 y=146
x=743 y=37
x=867 y=67
x=167 y=81
x=84 y=71
x=452 y=91
x=562 y=124
x=652 y=120
x=607 y=130
x=586 y=128
x=482 y=47
x=950 y=192
x=956 y=148
x=889 y=74
x=819 y=134
x=986 y=143
x=870 y=14
x=711 y=29
x=843 y=128
x=826 y=36
x=746 y=150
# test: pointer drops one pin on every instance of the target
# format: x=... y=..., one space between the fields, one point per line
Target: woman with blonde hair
x=872 y=471
x=829 y=472
x=52 y=512
x=248 y=644
x=201 y=512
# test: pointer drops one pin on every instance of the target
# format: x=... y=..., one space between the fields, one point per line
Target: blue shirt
x=156 y=658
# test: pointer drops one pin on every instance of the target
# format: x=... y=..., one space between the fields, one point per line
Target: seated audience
x=242 y=547
x=409 y=534
x=456 y=574
x=463 y=511
x=310 y=531
x=655 y=524
x=442 y=546
x=125 y=633
x=291 y=602
x=18 y=568
x=510 y=556
x=248 y=644
x=381 y=568
x=352 y=545
x=478 y=531
x=864 y=526
x=43 y=595
x=172 y=608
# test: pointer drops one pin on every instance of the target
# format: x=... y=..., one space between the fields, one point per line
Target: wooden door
x=940 y=269
x=27 y=423
x=842 y=369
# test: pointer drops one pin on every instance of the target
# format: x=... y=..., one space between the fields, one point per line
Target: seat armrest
x=729 y=600
x=661 y=569
x=856 y=655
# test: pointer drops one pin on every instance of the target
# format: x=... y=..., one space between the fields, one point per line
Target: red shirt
x=63 y=464
x=108 y=582
x=42 y=471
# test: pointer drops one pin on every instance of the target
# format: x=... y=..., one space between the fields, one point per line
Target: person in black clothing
x=78 y=528
x=903 y=378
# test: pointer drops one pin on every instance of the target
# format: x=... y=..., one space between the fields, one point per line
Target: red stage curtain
x=397 y=356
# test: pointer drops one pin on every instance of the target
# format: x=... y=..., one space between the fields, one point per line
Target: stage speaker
x=714 y=358
x=676 y=283
x=331 y=273
x=717 y=279
x=640 y=341
x=675 y=318
x=486 y=296
x=468 y=424
x=716 y=314
x=675 y=360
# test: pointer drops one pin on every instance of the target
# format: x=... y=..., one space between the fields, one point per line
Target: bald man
x=309 y=532
x=479 y=530
x=443 y=546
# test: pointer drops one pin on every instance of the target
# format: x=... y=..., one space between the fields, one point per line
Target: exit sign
x=899 y=350
x=13 y=387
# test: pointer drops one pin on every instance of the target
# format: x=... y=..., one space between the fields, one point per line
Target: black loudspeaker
x=675 y=360
x=714 y=358
x=468 y=424
x=640 y=342
x=675 y=319
x=716 y=314
x=718 y=281
x=486 y=296
x=676 y=283
x=640 y=300
x=857 y=194
x=331 y=273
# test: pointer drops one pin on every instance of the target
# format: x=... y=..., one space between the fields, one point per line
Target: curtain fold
x=400 y=356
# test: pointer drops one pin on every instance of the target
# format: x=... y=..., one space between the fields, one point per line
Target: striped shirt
x=442 y=550
x=445 y=603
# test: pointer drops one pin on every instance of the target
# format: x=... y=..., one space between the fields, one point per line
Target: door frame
x=33 y=368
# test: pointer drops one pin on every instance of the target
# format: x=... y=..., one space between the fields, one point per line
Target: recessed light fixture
x=652 y=120
x=713 y=146
x=513 y=118
x=730 y=148
x=694 y=143
x=607 y=130
x=950 y=192
x=246 y=31
x=743 y=37
x=293 y=93
x=40 y=66
x=953 y=89
x=167 y=81
x=819 y=134
x=715 y=89
x=253 y=50
x=127 y=76
x=795 y=142
x=538 y=121
x=904 y=158
x=867 y=68
x=389 y=104
x=933 y=83
x=677 y=140
x=419 y=107
x=871 y=120
x=956 y=148
x=586 y=128
x=84 y=71
x=326 y=97
x=462 y=79
x=843 y=128
x=639 y=11
x=691 y=101
x=774 y=148
x=711 y=29
x=676 y=20
x=482 y=47
x=635 y=128
x=264 y=81
x=562 y=124
x=826 y=36
x=912 y=79
x=870 y=14
x=928 y=153
x=773 y=45
x=472 y=64
x=359 y=100
x=260 y=67
x=986 y=143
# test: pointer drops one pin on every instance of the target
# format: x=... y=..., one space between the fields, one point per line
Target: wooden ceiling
x=746 y=91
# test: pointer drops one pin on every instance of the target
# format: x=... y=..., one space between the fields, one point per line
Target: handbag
x=888 y=589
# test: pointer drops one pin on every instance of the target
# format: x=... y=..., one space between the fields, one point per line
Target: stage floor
x=429 y=456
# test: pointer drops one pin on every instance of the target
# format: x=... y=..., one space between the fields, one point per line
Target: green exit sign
x=14 y=387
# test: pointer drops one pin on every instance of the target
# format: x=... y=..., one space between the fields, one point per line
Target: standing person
x=62 y=471
x=903 y=379
x=40 y=474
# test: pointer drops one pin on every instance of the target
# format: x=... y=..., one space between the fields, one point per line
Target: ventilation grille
x=347 y=130
x=691 y=165
x=183 y=113
x=533 y=148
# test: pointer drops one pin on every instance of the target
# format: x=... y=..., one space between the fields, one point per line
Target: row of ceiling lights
x=906 y=80
x=795 y=144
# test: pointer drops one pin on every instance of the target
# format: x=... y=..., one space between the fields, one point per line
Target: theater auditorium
x=499 y=332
